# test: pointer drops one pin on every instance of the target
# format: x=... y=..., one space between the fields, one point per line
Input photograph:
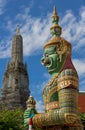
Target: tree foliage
x=11 y=119
x=82 y=116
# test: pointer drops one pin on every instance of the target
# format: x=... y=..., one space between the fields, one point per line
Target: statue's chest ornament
x=52 y=84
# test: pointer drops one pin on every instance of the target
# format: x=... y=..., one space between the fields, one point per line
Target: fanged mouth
x=48 y=63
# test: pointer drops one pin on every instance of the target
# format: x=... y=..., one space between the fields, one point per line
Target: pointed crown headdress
x=62 y=46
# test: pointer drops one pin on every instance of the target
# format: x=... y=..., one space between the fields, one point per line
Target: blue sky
x=34 y=18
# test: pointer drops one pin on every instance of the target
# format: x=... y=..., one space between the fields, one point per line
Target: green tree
x=82 y=116
x=11 y=119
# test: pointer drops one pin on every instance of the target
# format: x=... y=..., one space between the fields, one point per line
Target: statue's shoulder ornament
x=67 y=78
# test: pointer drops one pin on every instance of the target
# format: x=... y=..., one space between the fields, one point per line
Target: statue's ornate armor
x=61 y=93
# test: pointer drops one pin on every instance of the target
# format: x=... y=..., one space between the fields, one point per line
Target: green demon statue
x=61 y=93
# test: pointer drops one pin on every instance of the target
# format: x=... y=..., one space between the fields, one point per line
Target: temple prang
x=60 y=94
x=15 y=88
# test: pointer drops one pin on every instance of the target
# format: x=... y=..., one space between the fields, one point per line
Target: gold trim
x=51 y=92
x=53 y=79
x=67 y=83
x=70 y=118
x=67 y=77
x=55 y=26
x=52 y=105
x=56 y=41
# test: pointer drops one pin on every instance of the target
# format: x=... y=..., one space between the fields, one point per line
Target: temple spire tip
x=54 y=11
x=17 y=30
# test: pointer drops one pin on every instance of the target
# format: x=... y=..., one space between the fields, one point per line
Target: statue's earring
x=61 y=49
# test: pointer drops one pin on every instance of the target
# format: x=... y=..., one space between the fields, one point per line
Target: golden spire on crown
x=55 y=28
x=55 y=14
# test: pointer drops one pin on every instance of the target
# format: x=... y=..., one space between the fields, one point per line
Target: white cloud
x=47 y=76
x=74 y=28
x=80 y=66
x=82 y=84
x=40 y=106
x=2 y=4
x=35 y=34
x=35 y=31
x=5 y=49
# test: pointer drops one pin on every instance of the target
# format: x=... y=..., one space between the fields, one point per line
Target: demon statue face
x=51 y=60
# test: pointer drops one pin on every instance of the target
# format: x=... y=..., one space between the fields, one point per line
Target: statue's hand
x=70 y=118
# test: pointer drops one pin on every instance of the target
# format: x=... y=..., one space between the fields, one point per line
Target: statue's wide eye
x=46 y=55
